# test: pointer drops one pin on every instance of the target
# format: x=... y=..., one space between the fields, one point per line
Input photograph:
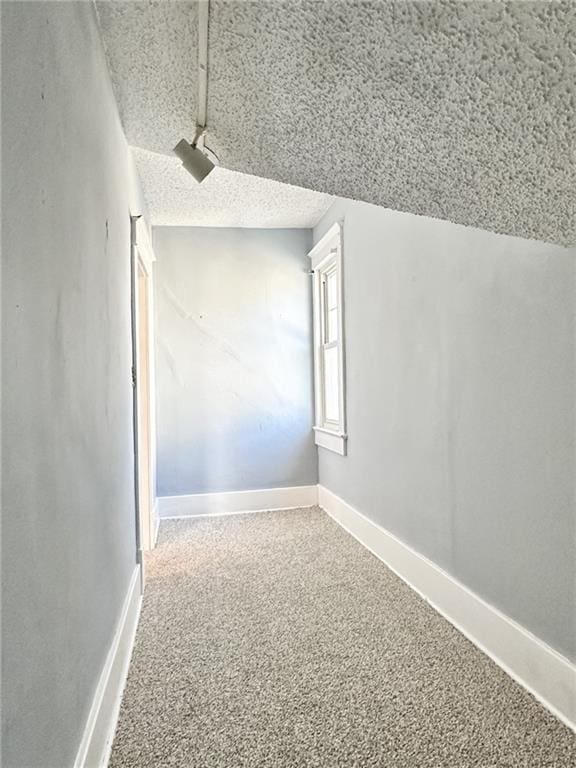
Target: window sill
x=332 y=441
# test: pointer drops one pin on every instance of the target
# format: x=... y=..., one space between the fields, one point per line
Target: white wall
x=461 y=405
x=233 y=359
x=68 y=541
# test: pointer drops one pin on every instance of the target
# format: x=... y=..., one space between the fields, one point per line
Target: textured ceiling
x=224 y=199
x=152 y=51
x=457 y=110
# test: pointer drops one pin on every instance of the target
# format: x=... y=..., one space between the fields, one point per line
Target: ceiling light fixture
x=196 y=157
x=193 y=159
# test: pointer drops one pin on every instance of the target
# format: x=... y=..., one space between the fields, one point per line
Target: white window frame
x=326 y=257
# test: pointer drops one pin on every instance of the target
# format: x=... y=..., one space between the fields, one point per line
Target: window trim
x=325 y=257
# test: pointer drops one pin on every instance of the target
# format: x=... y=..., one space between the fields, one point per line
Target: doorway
x=143 y=383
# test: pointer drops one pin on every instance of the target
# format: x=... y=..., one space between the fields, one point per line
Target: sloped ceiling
x=152 y=54
x=224 y=199
x=458 y=110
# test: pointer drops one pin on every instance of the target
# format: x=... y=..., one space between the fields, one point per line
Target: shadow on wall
x=234 y=360
x=244 y=455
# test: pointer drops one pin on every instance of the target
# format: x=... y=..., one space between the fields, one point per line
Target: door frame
x=141 y=273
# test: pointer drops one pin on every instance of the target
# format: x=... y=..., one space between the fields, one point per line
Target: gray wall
x=68 y=543
x=233 y=359
x=461 y=392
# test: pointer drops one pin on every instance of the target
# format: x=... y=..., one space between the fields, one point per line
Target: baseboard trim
x=237 y=502
x=96 y=743
x=548 y=676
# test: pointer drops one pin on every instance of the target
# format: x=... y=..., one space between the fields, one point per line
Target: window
x=330 y=419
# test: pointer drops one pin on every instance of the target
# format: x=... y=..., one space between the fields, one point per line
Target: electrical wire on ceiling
x=196 y=157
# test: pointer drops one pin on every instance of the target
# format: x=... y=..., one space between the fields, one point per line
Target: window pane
x=332 y=290
x=332 y=329
x=331 y=399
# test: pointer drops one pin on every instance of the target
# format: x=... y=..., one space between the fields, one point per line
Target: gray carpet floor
x=276 y=640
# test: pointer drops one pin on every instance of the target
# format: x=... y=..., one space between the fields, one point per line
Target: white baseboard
x=96 y=743
x=546 y=674
x=235 y=502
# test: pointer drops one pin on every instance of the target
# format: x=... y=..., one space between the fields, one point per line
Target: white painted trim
x=144 y=245
x=145 y=257
x=333 y=233
x=156 y=523
x=326 y=256
x=332 y=441
x=96 y=743
x=234 y=502
x=547 y=675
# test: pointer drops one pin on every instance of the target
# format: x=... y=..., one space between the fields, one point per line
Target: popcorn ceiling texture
x=456 y=110
x=152 y=52
x=224 y=199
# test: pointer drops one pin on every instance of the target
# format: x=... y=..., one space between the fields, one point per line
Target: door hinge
x=133 y=377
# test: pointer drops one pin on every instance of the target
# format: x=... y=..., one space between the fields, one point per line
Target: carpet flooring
x=276 y=640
